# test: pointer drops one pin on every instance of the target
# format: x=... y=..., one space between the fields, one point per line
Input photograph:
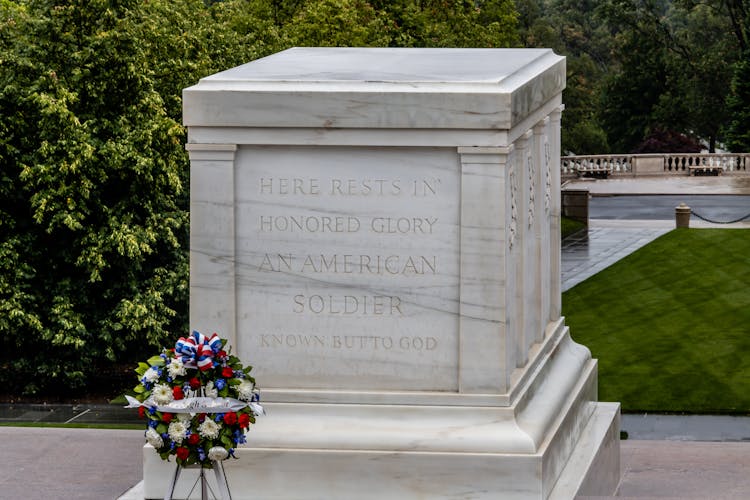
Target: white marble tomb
x=377 y=232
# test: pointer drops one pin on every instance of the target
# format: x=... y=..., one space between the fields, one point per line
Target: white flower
x=209 y=429
x=176 y=368
x=153 y=438
x=151 y=375
x=162 y=394
x=184 y=417
x=210 y=391
x=217 y=453
x=245 y=390
x=177 y=431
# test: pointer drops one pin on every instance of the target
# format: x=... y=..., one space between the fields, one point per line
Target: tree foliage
x=640 y=66
x=94 y=178
x=93 y=172
x=572 y=29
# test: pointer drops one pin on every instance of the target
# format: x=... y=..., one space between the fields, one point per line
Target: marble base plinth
x=553 y=441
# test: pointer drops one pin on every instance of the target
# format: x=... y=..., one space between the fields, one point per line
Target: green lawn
x=570 y=226
x=670 y=324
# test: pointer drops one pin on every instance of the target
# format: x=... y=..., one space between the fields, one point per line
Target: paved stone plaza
x=103 y=464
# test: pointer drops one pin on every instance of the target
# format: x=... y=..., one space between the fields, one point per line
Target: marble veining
x=368 y=230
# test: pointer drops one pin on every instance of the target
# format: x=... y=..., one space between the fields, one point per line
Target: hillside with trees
x=94 y=176
x=93 y=171
x=647 y=75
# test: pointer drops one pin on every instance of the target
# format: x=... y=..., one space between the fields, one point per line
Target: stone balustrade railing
x=654 y=165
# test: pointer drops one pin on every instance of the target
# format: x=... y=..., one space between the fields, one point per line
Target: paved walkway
x=723 y=184
x=49 y=463
x=606 y=242
x=44 y=463
x=609 y=240
x=678 y=470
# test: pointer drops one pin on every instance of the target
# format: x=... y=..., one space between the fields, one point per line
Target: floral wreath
x=185 y=396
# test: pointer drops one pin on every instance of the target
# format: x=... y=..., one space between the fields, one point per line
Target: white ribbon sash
x=196 y=405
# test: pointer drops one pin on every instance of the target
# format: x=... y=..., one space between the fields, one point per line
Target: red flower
x=183 y=453
x=141 y=412
x=230 y=418
x=195 y=383
x=166 y=417
x=201 y=417
x=177 y=392
x=244 y=420
x=193 y=439
x=227 y=372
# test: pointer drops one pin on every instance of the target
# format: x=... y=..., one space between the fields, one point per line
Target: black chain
x=719 y=221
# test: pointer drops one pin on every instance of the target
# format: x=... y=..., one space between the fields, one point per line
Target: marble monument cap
x=379 y=88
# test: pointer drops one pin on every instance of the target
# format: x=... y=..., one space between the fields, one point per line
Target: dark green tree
x=737 y=131
x=93 y=172
x=93 y=254
x=573 y=29
x=738 y=103
x=672 y=71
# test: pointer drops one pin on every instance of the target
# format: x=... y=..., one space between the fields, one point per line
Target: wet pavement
x=81 y=464
x=68 y=414
x=717 y=208
x=679 y=470
x=626 y=214
x=724 y=184
x=588 y=252
x=686 y=427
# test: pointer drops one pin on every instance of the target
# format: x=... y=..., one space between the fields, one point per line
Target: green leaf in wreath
x=156 y=361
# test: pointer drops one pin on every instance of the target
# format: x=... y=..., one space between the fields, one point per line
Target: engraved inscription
x=362 y=305
x=347 y=342
x=348 y=265
x=347 y=187
x=345 y=224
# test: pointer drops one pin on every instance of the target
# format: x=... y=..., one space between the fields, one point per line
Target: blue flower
x=152 y=409
x=153 y=423
x=220 y=384
x=201 y=454
x=218 y=417
x=239 y=437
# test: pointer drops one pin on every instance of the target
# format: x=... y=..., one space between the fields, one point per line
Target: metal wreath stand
x=221 y=481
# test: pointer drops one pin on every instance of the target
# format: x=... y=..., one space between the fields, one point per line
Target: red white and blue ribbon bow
x=198 y=351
